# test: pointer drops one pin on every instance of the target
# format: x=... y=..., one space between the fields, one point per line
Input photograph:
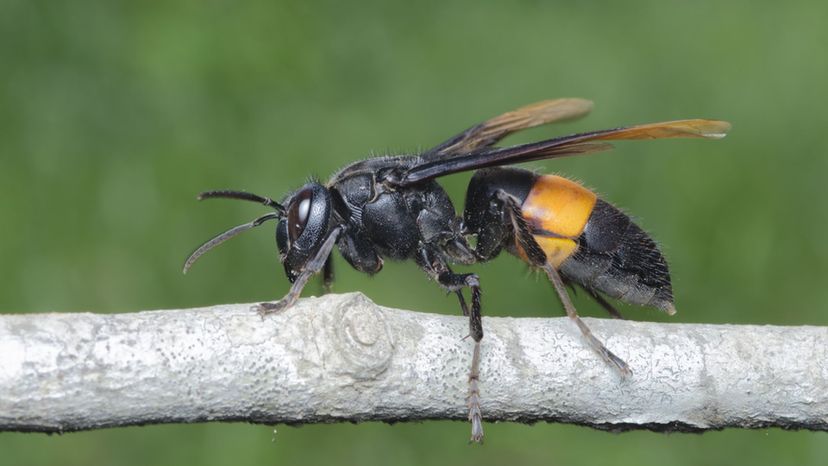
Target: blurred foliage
x=113 y=115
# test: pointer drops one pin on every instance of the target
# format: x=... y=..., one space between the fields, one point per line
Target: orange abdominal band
x=557 y=210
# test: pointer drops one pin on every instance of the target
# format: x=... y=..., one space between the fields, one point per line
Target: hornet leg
x=310 y=269
x=593 y=341
x=436 y=268
x=328 y=275
x=538 y=258
x=613 y=312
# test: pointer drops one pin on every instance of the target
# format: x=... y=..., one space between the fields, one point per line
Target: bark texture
x=343 y=358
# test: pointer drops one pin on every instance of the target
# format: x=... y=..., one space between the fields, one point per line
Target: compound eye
x=298 y=213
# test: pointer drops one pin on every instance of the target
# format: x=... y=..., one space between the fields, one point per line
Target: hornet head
x=304 y=219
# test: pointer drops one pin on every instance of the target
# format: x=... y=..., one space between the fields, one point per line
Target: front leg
x=328 y=275
x=310 y=269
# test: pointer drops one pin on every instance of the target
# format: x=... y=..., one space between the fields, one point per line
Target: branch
x=343 y=358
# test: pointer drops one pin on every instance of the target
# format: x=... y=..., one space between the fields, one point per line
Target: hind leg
x=611 y=310
x=537 y=257
x=593 y=341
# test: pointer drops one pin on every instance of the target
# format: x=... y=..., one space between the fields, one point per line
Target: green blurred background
x=114 y=115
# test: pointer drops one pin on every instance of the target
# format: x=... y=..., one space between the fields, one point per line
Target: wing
x=493 y=130
x=576 y=144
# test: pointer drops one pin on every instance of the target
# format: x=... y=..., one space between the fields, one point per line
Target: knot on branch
x=363 y=345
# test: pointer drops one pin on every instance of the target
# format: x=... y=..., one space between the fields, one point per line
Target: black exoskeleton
x=393 y=208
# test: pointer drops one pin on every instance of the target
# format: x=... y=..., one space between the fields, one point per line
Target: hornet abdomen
x=591 y=242
x=615 y=256
x=557 y=210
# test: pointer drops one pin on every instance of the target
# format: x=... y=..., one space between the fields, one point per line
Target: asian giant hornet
x=393 y=208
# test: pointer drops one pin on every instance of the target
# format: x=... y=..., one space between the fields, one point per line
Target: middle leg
x=435 y=266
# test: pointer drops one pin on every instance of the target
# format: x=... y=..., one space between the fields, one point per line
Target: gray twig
x=343 y=358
